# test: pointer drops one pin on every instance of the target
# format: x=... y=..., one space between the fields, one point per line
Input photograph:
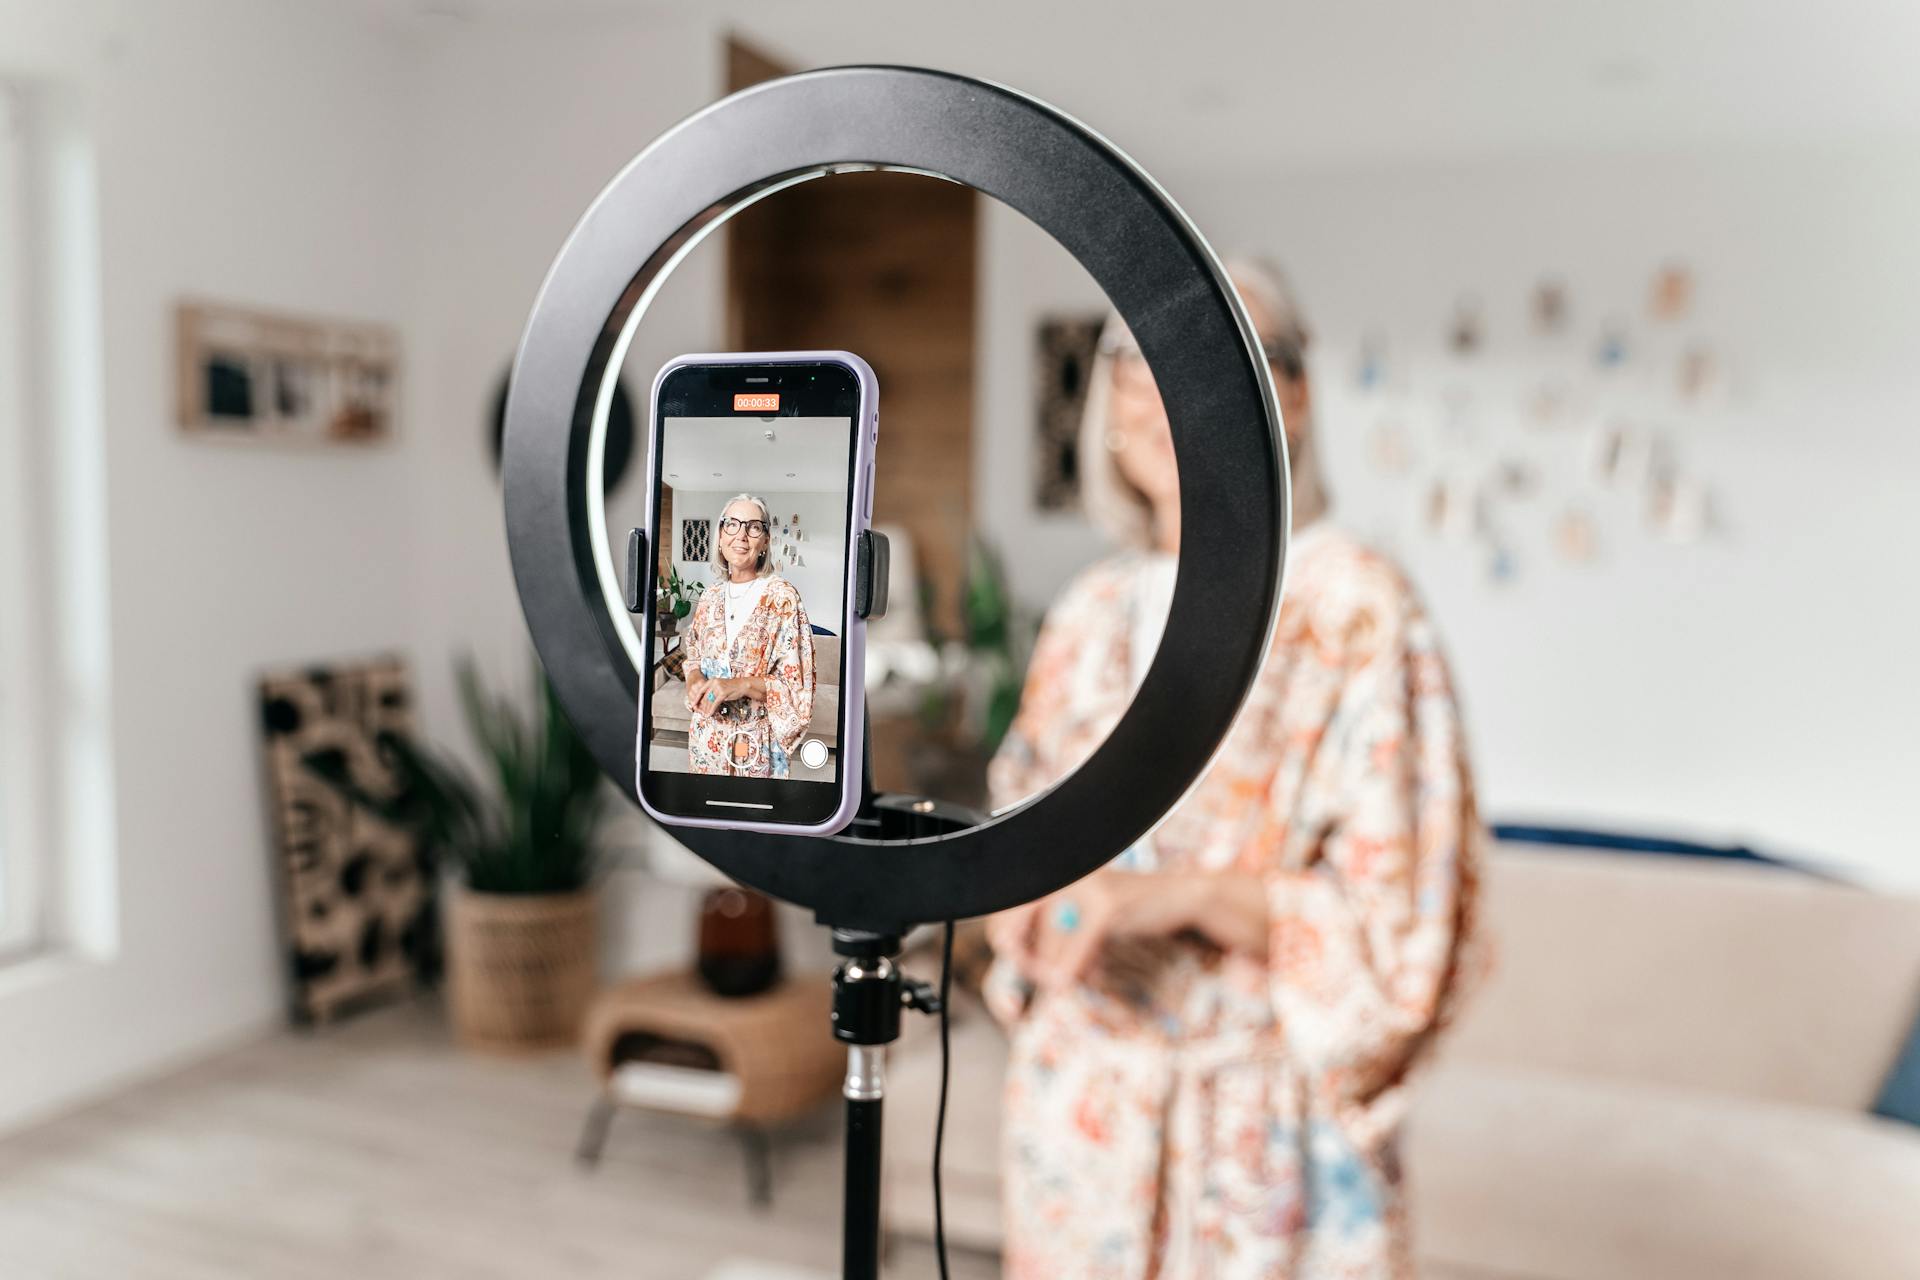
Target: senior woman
x=1211 y=1038
x=749 y=654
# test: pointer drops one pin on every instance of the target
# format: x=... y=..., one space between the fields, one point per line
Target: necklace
x=740 y=602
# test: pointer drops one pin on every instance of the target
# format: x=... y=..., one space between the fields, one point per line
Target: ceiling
x=734 y=455
x=1218 y=85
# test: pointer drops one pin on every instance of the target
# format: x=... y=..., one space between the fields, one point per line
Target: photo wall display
x=257 y=377
x=1528 y=433
x=788 y=540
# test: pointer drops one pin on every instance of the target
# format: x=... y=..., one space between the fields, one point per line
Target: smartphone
x=759 y=485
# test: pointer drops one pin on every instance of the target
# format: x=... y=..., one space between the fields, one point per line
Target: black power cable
x=940 y=1117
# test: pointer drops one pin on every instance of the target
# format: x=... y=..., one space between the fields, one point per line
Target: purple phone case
x=853 y=628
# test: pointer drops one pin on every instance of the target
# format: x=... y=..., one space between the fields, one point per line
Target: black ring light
x=1155 y=268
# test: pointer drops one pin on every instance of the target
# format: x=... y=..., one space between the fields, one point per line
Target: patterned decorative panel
x=696 y=540
x=357 y=908
x=1064 y=349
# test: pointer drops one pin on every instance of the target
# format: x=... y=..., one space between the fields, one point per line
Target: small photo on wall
x=260 y=378
x=1576 y=537
x=1621 y=455
x=1549 y=307
x=1452 y=509
x=1671 y=296
x=1678 y=509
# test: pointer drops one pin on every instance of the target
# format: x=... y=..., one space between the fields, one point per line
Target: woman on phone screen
x=749 y=654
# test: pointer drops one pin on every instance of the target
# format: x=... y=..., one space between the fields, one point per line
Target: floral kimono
x=745 y=738
x=1221 y=1118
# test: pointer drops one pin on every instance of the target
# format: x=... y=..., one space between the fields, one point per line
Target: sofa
x=1669 y=1073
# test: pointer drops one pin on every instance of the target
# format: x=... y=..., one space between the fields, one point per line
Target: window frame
x=27 y=879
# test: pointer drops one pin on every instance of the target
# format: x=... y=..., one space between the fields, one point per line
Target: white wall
x=519 y=125
x=1755 y=686
x=318 y=161
x=243 y=152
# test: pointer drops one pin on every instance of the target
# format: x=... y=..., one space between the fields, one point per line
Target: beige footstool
x=665 y=1043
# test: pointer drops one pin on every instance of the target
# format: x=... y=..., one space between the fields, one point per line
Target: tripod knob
x=920 y=996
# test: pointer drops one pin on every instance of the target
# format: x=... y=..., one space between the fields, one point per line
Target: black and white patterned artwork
x=1065 y=349
x=357 y=900
x=696 y=540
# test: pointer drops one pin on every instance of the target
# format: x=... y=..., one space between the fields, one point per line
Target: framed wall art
x=1065 y=348
x=256 y=377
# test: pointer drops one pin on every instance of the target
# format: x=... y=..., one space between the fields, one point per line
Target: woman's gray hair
x=767 y=569
x=1113 y=504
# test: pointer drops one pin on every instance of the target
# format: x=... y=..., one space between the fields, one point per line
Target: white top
x=742 y=599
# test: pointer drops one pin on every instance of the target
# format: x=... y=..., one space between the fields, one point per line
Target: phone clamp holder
x=872 y=564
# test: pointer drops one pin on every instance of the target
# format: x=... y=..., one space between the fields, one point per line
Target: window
x=58 y=875
x=24 y=784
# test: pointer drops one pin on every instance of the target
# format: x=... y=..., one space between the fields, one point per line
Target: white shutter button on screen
x=813 y=753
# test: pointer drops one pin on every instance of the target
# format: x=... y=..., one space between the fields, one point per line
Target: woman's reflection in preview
x=749 y=654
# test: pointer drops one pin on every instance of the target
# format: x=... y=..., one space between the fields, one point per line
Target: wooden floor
x=377 y=1150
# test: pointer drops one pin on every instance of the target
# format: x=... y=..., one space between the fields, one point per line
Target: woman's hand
x=1014 y=935
x=751 y=687
x=1230 y=909
x=706 y=693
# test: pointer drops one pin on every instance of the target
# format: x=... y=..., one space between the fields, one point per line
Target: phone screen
x=743 y=717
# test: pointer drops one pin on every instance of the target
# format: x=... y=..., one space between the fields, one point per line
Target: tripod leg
x=593 y=1138
x=758 y=1147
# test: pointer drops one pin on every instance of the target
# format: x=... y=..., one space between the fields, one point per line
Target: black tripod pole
x=867 y=995
x=869 y=992
x=861 y=1243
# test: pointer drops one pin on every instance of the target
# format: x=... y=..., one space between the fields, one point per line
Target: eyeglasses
x=1131 y=373
x=754 y=528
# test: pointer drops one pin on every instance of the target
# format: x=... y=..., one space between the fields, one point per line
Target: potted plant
x=522 y=937
x=677 y=596
x=995 y=679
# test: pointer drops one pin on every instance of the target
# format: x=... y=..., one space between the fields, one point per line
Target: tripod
x=869 y=992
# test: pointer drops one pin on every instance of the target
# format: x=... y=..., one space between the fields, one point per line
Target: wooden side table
x=665 y=1043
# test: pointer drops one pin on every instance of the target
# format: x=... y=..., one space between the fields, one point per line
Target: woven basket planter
x=521 y=969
